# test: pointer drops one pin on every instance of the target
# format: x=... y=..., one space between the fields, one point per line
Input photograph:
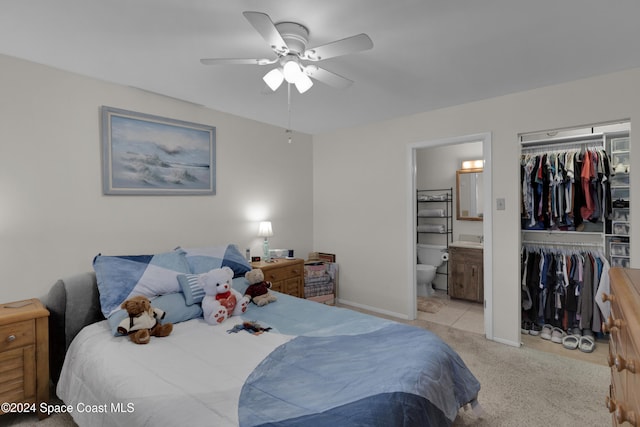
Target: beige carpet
x=430 y=305
x=520 y=386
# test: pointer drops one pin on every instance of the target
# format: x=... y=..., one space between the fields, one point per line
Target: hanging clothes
x=560 y=286
x=560 y=190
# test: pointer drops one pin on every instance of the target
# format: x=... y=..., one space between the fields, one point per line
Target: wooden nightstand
x=285 y=275
x=24 y=353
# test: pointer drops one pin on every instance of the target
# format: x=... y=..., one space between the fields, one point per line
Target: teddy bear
x=143 y=321
x=220 y=300
x=258 y=290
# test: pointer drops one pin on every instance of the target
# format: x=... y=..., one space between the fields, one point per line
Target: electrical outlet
x=500 y=204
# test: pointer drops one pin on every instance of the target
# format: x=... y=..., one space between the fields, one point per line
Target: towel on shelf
x=432 y=197
x=431 y=228
x=431 y=212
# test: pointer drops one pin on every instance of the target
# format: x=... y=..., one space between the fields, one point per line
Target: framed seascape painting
x=150 y=155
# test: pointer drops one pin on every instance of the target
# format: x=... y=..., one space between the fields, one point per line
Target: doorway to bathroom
x=433 y=166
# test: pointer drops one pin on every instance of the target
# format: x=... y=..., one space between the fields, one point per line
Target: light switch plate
x=500 y=204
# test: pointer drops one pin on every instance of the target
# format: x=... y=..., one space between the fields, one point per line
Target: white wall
x=54 y=218
x=361 y=200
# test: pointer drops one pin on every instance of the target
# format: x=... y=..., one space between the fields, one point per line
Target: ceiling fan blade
x=267 y=29
x=237 y=61
x=340 y=47
x=327 y=77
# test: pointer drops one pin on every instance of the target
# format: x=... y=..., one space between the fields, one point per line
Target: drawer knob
x=11 y=338
x=613 y=323
x=606 y=297
x=621 y=364
x=622 y=416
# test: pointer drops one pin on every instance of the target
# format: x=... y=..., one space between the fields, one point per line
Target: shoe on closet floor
x=525 y=327
x=587 y=344
x=558 y=335
x=546 y=331
x=571 y=342
x=535 y=329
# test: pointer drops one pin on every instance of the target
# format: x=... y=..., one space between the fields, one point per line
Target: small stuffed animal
x=258 y=290
x=143 y=321
x=220 y=300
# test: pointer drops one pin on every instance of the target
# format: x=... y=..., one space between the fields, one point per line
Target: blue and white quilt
x=317 y=366
x=349 y=369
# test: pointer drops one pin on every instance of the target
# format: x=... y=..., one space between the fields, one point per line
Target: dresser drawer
x=292 y=287
x=283 y=273
x=17 y=334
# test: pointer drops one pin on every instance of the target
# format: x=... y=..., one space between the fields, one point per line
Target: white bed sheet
x=214 y=363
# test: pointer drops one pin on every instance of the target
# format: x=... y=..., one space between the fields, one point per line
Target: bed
x=317 y=365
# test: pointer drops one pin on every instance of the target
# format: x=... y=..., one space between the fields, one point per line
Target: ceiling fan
x=289 y=41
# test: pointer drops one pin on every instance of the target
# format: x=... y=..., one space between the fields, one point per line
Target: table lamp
x=265 y=230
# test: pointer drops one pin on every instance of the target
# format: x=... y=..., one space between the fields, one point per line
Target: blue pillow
x=174 y=306
x=119 y=277
x=201 y=260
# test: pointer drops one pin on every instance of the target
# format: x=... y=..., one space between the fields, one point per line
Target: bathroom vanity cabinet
x=466 y=272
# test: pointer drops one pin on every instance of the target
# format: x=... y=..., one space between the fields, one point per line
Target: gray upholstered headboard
x=73 y=303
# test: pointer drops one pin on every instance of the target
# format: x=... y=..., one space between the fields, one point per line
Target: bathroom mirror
x=469 y=195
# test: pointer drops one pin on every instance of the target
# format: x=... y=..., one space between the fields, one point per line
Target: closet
x=574 y=221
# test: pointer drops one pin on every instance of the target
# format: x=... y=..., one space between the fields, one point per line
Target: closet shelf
x=561 y=232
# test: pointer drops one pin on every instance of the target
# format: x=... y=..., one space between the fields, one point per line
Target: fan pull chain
x=288 y=131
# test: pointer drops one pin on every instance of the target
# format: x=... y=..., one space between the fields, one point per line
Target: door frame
x=487 y=226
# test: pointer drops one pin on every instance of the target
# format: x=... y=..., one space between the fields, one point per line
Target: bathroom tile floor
x=458 y=314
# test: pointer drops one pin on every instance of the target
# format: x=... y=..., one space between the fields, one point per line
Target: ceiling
x=427 y=54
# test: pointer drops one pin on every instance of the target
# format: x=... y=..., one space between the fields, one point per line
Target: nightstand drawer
x=17 y=334
x=283 y=273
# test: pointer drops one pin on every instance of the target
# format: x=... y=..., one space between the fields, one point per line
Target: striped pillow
x=191 y=288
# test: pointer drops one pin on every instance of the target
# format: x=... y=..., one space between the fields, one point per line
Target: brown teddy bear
x=143 y=321
x=258 y=290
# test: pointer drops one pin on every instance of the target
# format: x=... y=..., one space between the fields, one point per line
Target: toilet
x=430 y=257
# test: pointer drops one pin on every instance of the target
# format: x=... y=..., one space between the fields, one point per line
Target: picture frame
x=143 y=154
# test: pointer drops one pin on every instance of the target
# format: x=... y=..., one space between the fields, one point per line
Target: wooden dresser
x=285 y=275
x=24 y=355
x=623 y=326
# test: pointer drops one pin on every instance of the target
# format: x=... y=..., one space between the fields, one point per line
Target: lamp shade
x=291 y=71
x=273 y=79
x=264 y=229
x=303 y=83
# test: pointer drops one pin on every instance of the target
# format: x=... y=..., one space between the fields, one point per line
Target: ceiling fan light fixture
x=274 y=79
x=291 y=71
x=303 y=83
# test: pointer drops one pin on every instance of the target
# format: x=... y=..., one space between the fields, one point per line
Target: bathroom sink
x=466 y=244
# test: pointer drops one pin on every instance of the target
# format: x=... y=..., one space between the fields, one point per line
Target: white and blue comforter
x=318 y=366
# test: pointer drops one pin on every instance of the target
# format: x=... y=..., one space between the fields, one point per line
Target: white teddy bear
x=220 y=300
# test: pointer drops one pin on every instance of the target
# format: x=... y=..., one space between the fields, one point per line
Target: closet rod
x=573 y=138
x=580 y=244
x=563 y=146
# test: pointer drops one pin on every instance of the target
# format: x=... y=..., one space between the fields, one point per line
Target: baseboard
x=507 y=342
x=373 y=309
